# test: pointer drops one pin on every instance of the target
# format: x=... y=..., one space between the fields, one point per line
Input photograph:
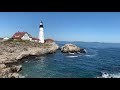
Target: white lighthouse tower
x=41 y=33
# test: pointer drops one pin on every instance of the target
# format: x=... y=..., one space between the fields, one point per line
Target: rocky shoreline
x=12 y=52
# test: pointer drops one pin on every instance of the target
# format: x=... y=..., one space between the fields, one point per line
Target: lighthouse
x=41 y=33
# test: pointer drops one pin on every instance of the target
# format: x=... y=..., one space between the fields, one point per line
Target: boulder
x=15 y=68
x=71 y=48
x=13 y=75
x=53 y=48
x=5 y=72
x=2 y=66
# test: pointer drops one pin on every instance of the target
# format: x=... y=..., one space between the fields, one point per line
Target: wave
x=107 y=75
x=72 y=56
x=89 y=55
x=76 y=55
x=71 y=53
x=26 y=61
x=115 y=75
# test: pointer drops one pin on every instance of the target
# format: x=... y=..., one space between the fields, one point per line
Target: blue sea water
x=100 y=57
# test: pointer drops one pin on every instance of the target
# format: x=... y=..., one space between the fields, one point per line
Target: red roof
x=18 y=35
x=35 y=39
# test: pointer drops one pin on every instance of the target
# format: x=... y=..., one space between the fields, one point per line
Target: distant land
x=89 y=42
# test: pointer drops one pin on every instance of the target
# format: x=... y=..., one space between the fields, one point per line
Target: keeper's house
x=24 y=36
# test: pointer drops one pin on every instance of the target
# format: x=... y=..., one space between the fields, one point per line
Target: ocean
x=102 y=60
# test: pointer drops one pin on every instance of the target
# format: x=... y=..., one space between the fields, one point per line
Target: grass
x=25 y=43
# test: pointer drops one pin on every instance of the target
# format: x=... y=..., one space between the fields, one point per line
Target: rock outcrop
x=53 y=48
x=10 y=71
x=71 y=48
x=14 y=51
x=15 y=68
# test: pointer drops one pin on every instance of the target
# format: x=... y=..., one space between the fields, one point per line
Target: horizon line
x=86 y=41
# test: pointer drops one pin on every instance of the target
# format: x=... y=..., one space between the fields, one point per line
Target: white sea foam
x=89 y=55
x=26 y=61
x=72 y=56
x=78 y=52
x=21 y=76
x=107 y=75
x=71 y=53
x=117 y=75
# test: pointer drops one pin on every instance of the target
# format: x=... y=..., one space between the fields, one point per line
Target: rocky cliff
x=13 y=51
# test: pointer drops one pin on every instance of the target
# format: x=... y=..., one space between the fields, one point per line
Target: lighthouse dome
x=41 y=24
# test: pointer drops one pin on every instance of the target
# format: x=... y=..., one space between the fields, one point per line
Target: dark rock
x=82 y=50
x=15 y=68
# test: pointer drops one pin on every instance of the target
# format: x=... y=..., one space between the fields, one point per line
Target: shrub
x=10 y=39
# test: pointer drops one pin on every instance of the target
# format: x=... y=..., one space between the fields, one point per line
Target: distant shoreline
x=91 y=42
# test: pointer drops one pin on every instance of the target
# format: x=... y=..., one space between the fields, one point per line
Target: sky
x=64 y=26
